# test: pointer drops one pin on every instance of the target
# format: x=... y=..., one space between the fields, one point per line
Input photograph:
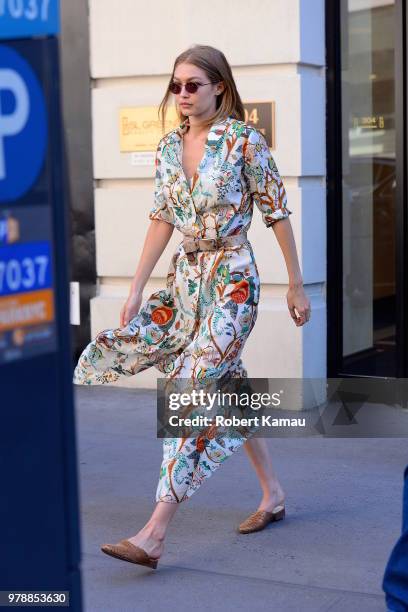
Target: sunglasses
x=191 y=87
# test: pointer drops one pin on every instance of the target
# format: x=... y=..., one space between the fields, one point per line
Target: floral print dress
x=197 y=325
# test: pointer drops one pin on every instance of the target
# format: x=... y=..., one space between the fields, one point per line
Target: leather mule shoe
x=259 y=520
x=127 y=551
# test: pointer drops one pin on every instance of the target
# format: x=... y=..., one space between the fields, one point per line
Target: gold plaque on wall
x=140 y=129
x=262 y=116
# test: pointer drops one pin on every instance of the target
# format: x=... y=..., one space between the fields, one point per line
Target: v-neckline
x=193 y=179
x=181 y=131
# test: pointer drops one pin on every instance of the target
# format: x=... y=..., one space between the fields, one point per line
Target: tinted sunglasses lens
x=175 y=88
x=191 y=87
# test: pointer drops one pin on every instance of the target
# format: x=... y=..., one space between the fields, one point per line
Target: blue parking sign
x=23 y=125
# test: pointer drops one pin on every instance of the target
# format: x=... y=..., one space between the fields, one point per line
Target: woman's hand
x=130 y=307
x=297 y=299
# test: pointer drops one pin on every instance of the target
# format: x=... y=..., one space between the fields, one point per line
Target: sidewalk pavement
x=343 y=505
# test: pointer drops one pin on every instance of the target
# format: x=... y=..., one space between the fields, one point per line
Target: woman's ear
x=220 y=88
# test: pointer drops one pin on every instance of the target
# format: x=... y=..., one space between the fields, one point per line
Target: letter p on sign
x=11 y=124
x=23 y=125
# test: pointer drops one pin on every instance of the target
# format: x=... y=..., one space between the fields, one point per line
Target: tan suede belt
x=192 y=244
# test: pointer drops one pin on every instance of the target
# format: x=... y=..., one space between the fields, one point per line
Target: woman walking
x=210 y=170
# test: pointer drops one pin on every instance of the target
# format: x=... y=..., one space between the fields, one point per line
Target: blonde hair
x=217 y=68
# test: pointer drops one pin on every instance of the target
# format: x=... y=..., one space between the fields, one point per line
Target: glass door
x=367 y=308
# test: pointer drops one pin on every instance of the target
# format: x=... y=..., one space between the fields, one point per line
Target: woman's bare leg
x=151 y=536
x=258 y=453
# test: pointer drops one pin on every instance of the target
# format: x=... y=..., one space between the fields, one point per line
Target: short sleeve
x=161 y=209
x=265 y=183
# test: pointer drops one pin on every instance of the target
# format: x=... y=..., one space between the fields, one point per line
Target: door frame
x=334 y=229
